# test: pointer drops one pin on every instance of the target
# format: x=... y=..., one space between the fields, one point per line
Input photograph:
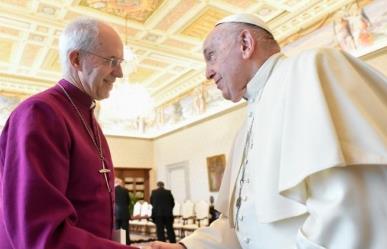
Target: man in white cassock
x=308 y=170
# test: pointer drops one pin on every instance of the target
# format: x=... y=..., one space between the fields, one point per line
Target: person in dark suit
x=163 y=203
x=121 y=208
x=214 y=214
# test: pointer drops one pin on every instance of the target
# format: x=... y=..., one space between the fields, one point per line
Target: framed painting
x=215 y=168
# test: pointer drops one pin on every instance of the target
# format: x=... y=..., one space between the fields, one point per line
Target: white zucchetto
x=246 y=18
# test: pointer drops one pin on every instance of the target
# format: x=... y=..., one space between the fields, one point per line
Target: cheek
x=232 y=75
x=99 y=75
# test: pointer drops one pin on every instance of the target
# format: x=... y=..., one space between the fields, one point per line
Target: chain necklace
x=97 y=144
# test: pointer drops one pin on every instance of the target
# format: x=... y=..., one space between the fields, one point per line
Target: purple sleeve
x=36 y=211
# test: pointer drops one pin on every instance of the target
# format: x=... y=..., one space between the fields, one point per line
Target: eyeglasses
x=113 y=62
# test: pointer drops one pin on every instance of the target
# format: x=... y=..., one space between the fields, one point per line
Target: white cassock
x=314 y=173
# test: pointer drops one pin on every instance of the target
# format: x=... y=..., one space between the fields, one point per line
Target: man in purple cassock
x=56 y=172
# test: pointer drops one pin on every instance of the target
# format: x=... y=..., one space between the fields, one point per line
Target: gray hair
x=82 y=34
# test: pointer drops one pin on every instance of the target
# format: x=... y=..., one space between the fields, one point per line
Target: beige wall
x=131 y=152
x=195 y=144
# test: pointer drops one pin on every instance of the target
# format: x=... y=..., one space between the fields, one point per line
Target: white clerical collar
x=92 y=105
x=259 y=80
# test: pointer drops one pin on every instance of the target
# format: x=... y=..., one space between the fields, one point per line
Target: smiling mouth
x=217 y=84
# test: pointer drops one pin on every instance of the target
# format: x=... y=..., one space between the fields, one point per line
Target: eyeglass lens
x=115 y=62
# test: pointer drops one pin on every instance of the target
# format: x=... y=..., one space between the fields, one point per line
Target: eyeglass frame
x=113 y=62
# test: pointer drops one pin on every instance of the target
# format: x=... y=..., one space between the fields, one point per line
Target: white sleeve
x=347 y=209
x=219 y=235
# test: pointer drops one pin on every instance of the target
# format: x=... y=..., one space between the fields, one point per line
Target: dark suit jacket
x=122 y=203
x=162 y=202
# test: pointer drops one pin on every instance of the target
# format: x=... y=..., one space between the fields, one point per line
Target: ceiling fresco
x=166 y=37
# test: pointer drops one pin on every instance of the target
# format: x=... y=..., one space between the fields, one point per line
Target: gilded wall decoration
x=215 y=168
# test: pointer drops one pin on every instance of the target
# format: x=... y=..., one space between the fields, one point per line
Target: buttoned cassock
x=317 y=167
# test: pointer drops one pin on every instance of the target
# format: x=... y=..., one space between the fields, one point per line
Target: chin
x=235 y=99
x=102 y=96
x=226 y=97
x=105 y=96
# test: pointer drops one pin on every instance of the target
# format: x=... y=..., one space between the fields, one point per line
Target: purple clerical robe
x=51 y=192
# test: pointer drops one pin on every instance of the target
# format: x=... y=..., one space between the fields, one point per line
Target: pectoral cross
x=95 y=137
x=105 y=171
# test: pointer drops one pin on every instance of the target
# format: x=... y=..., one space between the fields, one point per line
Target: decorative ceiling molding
x=166 y=36
x=138 y=11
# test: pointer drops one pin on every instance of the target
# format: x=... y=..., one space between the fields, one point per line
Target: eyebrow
x=114 y=57
x=206 y=55
x=207 y=51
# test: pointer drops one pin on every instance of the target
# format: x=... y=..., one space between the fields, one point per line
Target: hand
x=163 y=245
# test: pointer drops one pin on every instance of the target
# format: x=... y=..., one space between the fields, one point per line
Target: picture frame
x=215 y=168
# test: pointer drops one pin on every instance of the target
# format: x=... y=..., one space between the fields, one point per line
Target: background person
x=121 y=211
x=213 y=213
x=162 y=202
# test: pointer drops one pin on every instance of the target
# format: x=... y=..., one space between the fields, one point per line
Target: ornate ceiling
x=165 y=35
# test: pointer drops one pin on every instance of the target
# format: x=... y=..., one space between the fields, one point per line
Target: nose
x=117 y=71
x=210 y=73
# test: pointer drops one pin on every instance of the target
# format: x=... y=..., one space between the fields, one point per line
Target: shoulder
x=319 y=51
x=33 y=110
x=124 y=190
x=46 y=101
x=38 y=121
x=319 y=54
x=41 y=113
x=316 y=61
x=167 y=191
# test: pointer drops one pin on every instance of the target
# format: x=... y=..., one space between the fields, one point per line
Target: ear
x=74 y=59
x=247 y=43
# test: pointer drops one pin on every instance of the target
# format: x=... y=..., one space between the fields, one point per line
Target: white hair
x=81 y=34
